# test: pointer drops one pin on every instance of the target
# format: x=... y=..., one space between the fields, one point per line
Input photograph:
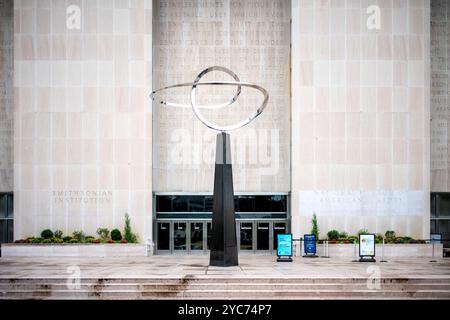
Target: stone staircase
x=213 y=287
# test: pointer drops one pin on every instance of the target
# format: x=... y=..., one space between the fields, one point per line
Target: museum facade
x=346 y=133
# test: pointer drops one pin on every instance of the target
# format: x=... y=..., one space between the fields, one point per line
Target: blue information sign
x=310 y=244
x=284 y=245
x=436 y=238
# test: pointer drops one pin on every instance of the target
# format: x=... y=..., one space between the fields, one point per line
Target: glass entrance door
x=262 y=236
x=246 y=236
x=208 y=235
x=179 y=236
x=163 y=234
x=196 y=236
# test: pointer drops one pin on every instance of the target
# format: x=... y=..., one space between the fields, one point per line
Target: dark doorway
x=163 y=236
x=262 y=236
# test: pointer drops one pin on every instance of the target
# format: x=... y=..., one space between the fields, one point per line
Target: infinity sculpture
x=196 y=107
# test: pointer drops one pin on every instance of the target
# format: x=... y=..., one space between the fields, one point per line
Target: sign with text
x=367 y=245
x=284 y=245
x=310 y=244
x=436 y=238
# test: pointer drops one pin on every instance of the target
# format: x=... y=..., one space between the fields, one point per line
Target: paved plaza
x=190 y=277
x=249 y=266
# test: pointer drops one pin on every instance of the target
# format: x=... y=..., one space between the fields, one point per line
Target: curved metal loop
x=196 y=107
x=238 y=125
x=197 y=79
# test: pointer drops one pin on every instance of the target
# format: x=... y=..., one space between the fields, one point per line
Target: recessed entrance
x=183 y=222
x=194 y=236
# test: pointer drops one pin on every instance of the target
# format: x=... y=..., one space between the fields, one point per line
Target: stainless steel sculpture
x=223 y=243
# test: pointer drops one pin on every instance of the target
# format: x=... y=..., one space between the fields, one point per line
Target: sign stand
x=284 y=248
x=367 y=248
x=310 y=246
x=355 y=252
x=434 y=238
x=325 y=249
x=382 y=252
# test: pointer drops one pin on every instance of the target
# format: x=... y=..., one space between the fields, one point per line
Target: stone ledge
x=73 y=250
x=402 y=250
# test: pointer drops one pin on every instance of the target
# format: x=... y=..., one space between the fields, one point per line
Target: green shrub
x=57 y=240
x=47 y=234
x=406 y=239
x=79 y=235
x=103 y=233
x=74 y=240
x=58 y=234
x=390 y=234
x=378 y=238
x=315 y=226
x=402 y=240
x=37 y=240
x=398 y=240
x=90 y=239
x=363 y=231
x=333 y=235
x=29 y=240
x=343 y=235
x=352 y=239
x=67 y=239
x=46 y=241
x=116 y=235
x=129 y=236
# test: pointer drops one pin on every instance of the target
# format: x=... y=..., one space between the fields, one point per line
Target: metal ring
x=238 y=125
x=195 y=107
x=197 y=79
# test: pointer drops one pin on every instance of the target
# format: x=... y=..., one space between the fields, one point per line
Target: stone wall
x=83 y=126
x=440 y=66
x=360 y=115
x=6 y=95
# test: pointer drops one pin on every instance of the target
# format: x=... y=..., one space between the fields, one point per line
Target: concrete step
x=228 y=294
x=223 y=280
x=207 y=287
x=220 y=286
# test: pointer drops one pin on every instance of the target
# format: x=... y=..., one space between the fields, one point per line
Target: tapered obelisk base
x=224 y=251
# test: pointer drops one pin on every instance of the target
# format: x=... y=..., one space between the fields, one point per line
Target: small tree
x=315 y=226
x=78 y=235
x=128 y=234
x=58 y=234
x=103 y=233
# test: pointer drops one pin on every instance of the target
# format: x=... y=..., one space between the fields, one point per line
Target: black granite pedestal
x=224 y=251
